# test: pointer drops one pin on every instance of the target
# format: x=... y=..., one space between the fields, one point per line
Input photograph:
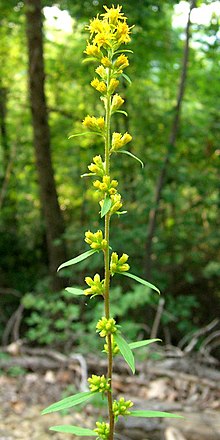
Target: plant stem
x=106 y=258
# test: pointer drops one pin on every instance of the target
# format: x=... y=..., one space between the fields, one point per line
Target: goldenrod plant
x=108 y=32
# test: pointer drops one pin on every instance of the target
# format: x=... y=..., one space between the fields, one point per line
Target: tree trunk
x=54 y=224
x=171 y=145
x=3 y=128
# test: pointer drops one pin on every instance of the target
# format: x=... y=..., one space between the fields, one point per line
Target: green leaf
x=121 y=111
x=68 y=402
x=125 y=351
x=154 y=414
x=88 y=174
x=90 y=59
x=132 y=155
x=75 y=291
x=140 y=280
x=84 y=133
x=106 y=206
x=126 y=77
x=138 y=344
x=121 y=212
x=75 y=260
x=123 y=51
x=71 y=429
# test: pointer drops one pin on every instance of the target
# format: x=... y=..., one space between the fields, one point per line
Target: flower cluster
x=96 y=240
x=94 y=124
x=97 y=167
x=96 y=286
x=121 y=406
x=115 y=349
x=106 y=327
x=117 y=102
x=118 y=265
x=99 y=384
x=108 y=33
x=119 y=140
x=102 y=430
x=107 y=186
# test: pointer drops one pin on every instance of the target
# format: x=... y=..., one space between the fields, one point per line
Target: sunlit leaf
x=126 y=77
x=143 y=343
x=68 y=402
x=151 y=414
x=140 y=280
x=71 y=429
x=123 y=51
x=90 y=59
x=106 y=206
x=75 y=260
x=125 y=351
x=84 y=133
x=132 y=155
x=88 y=174
x=121 y=111
x=75 y=291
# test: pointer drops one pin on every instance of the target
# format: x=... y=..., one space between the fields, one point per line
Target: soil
x=23 y=398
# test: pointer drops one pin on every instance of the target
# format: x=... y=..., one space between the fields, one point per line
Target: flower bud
x=117 y=102
x=106 y=327
x=99 y=383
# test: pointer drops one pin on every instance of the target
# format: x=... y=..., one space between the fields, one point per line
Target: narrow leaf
x=87 y=174
x=123 y=51
x=140 y=280
x=126 y=77
x=121 y=111
x=75 y=291
x=143 y=343
x=88 y=60
x=125 y=351
x=155 y=414
x=84 y=133
x=68 y=402
x=75 y=260
x=132 y=155
x=106 y=206
x=71 y=429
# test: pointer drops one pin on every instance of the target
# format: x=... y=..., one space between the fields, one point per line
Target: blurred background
x=171 y=231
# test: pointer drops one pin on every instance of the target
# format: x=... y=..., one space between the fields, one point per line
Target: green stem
x=107 y=261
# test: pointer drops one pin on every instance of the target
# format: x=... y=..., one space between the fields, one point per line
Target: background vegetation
x=185 y=246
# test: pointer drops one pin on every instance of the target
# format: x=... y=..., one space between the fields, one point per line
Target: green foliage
x=68 y=402
x=51 y=319
x=82 y=432
x=125 y=350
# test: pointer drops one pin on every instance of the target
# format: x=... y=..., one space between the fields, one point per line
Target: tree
x=171 y=145
x=54 y=224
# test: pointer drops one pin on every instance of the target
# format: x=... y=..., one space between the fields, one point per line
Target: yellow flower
x=96 y=26
x=116 y=203
x=122 y=34
x=117 y=102
x=98 y=167
x=113 y=85
x=106 y=62
x=99 y=85
x=93 y=51
x=101 y=72
x=113 y=14
x=103 y=39
x=118 y=265
x=122 y=61
x=118 y=141
x=95 y=124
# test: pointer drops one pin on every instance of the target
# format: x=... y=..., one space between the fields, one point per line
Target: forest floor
x=176 y=385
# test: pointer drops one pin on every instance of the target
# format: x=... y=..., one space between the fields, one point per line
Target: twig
x=199 y=333
x=157 y=318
